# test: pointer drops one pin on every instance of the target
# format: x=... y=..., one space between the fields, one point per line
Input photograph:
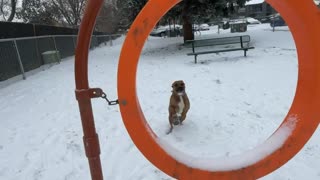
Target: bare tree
x=8 y=9
x=71 y=10
x=39 y=12
x=62 y=12
x=108 y=18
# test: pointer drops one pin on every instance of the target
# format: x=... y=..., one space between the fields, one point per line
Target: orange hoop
x=296 y=129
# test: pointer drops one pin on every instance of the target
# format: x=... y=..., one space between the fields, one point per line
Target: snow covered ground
x=236 y=103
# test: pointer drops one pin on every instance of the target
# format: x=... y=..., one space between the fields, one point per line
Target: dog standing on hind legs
x=179 y=104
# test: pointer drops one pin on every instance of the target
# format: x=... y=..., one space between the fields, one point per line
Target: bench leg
x=195 y=59
x=245 y=53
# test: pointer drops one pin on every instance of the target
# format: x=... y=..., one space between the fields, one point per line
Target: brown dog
x=179 y=104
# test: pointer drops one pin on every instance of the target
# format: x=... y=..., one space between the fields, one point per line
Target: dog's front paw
x=177 y=120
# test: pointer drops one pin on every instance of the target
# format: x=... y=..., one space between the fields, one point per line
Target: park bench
x=241 y=44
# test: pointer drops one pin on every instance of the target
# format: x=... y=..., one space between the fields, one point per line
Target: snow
x=253 y=21
x=236 y=104
x=238 y=21
x=239 y=161
x=252 y=2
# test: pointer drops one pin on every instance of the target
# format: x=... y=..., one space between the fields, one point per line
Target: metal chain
x=111 y=103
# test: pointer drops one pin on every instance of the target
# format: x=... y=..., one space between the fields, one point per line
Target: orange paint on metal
x=83 y=93
x=304 y=21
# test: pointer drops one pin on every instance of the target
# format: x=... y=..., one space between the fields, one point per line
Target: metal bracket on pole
x=88 y=93
x=94 y=93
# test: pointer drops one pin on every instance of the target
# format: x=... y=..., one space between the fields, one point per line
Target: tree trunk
x=13 y=10
x=187 y=26
x=187 y=30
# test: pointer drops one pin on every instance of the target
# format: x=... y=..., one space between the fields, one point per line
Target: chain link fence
x=20 y=55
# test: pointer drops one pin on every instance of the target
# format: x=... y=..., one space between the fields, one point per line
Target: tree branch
x=1 y=9
x=61 y=8
x=13 y=10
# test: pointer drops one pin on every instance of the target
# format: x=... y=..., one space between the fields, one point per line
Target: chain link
x=111 y=103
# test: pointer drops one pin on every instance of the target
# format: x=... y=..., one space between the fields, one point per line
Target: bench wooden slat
x=213 y=43
x=221 y=50
x=244 y=38
x=219 y=41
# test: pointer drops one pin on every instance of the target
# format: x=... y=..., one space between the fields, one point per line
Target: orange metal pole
x=83 y=93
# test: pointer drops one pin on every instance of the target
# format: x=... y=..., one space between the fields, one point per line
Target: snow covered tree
x=39 y=12
x=62 y=12
x=8 y=9
x=128 y=10
x=31 y=10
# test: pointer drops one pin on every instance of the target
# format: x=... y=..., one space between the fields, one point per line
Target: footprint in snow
x=246 y=103
x=70 y=175
x=38 y=174
x=217 y=125
x=232 y=115
x=255 y=114
x=179 y=139
x=74 y=147
x=129 y=148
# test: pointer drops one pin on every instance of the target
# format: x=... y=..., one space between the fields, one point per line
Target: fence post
x=19 y=60
x=273 y=21
x=37 y=45
x=74 y=42
x=96 y=39
x=55 y=47
x=105 y=42
x=95 y=44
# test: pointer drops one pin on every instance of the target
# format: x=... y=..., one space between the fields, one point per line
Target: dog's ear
x=173 y=84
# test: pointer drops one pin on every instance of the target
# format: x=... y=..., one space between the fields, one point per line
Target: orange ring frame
x=304 y=21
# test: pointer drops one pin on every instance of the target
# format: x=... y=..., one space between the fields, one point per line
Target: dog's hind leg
x=171 y=126
x=170 y=130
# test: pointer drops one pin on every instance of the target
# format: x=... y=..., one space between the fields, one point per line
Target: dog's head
x=178 y=87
